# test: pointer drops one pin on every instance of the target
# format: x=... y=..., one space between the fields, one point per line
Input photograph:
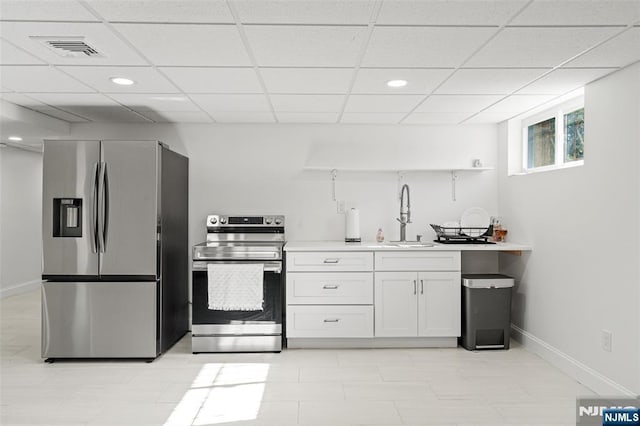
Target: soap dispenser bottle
x=379 y=236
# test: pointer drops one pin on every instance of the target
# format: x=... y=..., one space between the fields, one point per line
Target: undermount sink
x=411 y=244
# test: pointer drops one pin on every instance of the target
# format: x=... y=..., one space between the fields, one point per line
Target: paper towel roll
x=352 y=227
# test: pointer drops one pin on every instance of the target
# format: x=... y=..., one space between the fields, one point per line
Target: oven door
x=266 y=321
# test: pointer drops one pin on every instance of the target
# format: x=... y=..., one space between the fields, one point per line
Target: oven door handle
x=275 y=267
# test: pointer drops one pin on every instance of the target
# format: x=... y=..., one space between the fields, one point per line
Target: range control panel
x=222 y=221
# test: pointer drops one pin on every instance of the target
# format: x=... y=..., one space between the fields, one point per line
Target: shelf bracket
x=454 y=177
x=334 y=175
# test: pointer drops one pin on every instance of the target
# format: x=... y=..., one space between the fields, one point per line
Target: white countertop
x=387 y=246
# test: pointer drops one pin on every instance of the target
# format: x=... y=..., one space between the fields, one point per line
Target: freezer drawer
x=99 y=320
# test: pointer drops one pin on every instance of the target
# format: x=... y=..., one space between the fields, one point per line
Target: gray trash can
x=486 y=311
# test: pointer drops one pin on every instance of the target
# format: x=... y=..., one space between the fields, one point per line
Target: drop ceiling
x=246 y=61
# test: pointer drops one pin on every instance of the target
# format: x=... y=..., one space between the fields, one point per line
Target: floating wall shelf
x=453 y=170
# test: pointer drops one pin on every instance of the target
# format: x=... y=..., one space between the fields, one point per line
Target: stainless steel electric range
x=239 y=240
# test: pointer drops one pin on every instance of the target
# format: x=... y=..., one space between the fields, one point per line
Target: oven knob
x=213 y=220
x=223 y=220
x=278 y=221
x=268 y=221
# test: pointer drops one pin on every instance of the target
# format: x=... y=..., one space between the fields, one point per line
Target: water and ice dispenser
x=67 y=217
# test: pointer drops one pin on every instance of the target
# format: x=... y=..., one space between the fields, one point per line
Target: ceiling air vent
x=69 y=47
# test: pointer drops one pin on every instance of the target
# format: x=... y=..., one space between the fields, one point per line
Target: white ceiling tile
x=44 y=10
x=307 y=117
x=457 y=103
x=178 y=117
x=489 y=117
x=113 y=51
x=243 y=117
x=564 y=80
x=382 y=103
x=39 y=79
x=304 y=12
x=579 y=12
x=618 y=52
x=519 y=103
x=488 y=81
x=214 y=80
x=187 y=45
x=305 y=46
x=372 y=117
x=307 y=103
x=93 y=106
x=147 y=79
x=435 y=118
x=537 y=47
x=307 y=80
x=168 y=102
x=210 y=11
x=423 y=46
x=419 y=81
x=11 y=55
x=232 y=103
x=22 y=100
x=446 y=12
x=62 y=115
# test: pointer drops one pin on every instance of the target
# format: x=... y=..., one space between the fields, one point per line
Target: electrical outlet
x=606 y=340
x=340 y=206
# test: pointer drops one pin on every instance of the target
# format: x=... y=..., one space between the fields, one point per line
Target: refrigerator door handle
x=101 y=208
x=94 y=208
x=105 y=228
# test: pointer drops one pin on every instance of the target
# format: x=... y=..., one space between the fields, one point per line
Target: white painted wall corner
x=578 y=371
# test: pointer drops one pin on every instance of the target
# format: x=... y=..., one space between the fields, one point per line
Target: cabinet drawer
x=329 y=321
x=330 y=288
x=330 y=261
x=417 y=261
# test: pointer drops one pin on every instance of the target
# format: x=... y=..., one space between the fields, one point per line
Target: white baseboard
x=20 y=288
x=580 y=372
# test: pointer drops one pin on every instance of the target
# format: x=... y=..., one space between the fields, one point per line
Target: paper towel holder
x=352 y=225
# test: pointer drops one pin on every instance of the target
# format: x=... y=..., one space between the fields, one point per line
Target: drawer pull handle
x=415 y=287
x=331 y=260
x=330 y=287
x=421 y=286
x=332 y=319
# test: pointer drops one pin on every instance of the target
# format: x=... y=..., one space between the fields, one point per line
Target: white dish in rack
x=474 y=217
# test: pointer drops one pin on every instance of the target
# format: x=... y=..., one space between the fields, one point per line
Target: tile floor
x=295 y=387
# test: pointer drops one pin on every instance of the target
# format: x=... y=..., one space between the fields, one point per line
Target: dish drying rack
x=463 y=234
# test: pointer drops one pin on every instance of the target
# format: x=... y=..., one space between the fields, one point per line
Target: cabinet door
x=439 y=304
x=396 y=307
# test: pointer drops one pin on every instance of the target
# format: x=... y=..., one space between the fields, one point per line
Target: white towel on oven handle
x=235 y=286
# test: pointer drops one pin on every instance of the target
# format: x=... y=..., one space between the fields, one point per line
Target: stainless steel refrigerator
x=115 y=249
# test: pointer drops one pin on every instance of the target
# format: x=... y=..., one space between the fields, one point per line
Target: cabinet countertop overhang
x=294 y=246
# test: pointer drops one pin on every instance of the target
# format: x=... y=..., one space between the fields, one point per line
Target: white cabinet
x=330 y=288
x=329 y=321
x=439 y=304
x=417 y=261
x=325 y=261
x=329 y=295
x=396 y=304
x=410 y=302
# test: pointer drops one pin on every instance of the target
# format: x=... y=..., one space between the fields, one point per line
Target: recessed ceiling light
x=122 y=81
x=15 y=138
x=397 y=83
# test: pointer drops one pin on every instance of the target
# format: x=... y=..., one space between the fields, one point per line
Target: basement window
x=554 y=138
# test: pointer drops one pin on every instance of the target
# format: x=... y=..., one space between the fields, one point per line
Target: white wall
x=20 y=220
x=256 y=169
x=583 y=274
